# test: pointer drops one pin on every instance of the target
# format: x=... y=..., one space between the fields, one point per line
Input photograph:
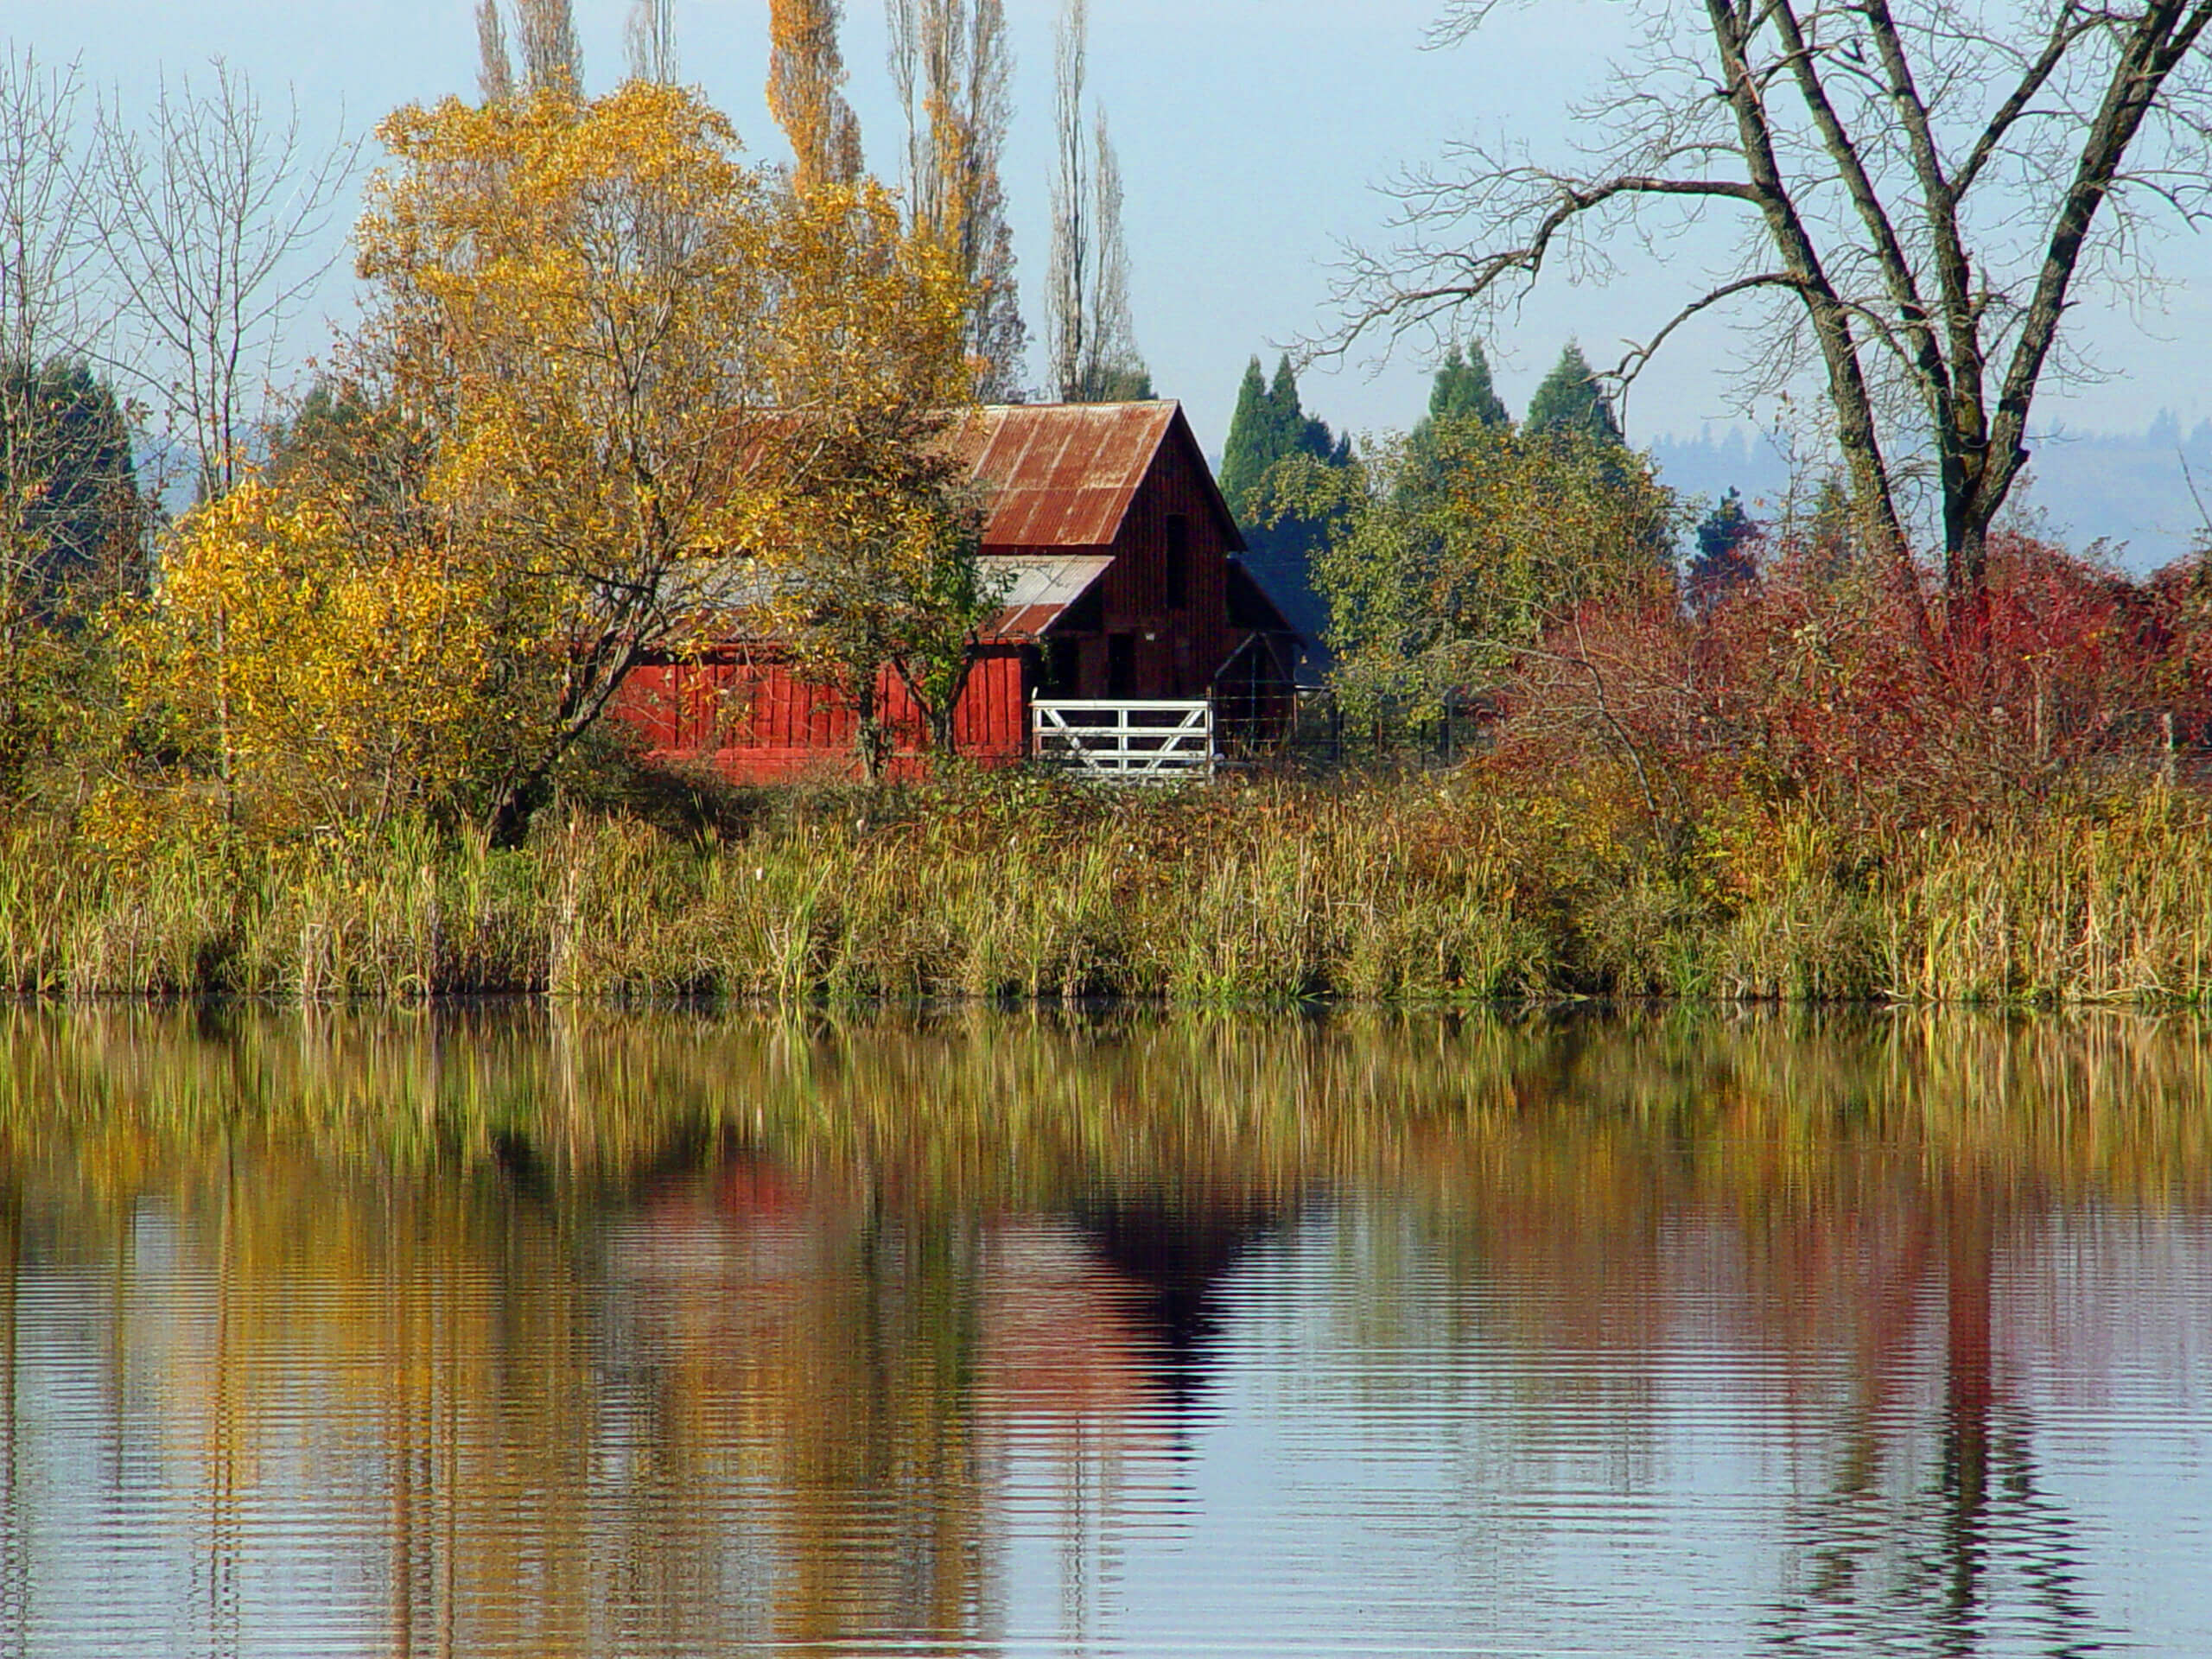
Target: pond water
x=504 y=1332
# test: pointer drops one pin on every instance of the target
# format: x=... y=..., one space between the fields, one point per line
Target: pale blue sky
x=1251 y=133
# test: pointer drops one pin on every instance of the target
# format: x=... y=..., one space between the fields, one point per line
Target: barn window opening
x=1179 y=561
x=1061 y=675
x=1120 y=664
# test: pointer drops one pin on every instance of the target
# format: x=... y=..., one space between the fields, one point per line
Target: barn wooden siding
x=755 y=722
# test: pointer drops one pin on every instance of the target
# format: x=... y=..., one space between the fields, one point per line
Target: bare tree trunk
x=867 y=724
x=938 y=712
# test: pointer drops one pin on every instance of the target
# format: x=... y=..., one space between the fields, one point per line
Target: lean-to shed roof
x=1038 y=588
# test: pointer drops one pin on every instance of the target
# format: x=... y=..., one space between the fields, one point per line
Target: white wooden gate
x=1132 y=742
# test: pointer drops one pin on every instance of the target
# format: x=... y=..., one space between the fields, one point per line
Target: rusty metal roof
x=1061 y=474
x=1039 y=587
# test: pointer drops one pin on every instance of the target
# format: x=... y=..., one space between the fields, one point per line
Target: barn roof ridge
x=1063 y=476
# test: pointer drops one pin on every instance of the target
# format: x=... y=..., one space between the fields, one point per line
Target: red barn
x=1124 y=584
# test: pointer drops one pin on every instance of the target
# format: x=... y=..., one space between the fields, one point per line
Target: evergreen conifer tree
x=1270 y=426
x=1297 y=432
x=1244 y=454
x=1286 y=424
x=1571 y=400
x=1463 y=390
x=1725 y=559
x=62 y=429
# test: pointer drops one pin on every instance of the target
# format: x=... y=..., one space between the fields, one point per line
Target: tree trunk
x=510 y=824
x=872 y=739
x=1966 y=588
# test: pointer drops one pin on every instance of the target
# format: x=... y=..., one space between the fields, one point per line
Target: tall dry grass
x=1456 y=890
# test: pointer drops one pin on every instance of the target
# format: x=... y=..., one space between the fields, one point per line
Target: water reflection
x=498 y=1332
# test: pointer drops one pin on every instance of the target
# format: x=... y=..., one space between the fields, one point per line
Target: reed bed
x=1423 y=892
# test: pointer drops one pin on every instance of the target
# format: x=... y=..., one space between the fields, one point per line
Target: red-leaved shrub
x=1836 y=685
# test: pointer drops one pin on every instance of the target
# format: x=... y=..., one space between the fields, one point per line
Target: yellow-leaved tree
x=634 y=364
x=806 y=75
x=322 y=677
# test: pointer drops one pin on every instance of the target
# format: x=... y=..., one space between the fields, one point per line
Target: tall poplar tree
x=495 y=70
x=952 y=68
x=806 y=73
x=1092 y=338
x=552 y=56
x=544 y=40
x=651 y=37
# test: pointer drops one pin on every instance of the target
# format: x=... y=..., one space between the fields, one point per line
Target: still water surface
x=508 y=1334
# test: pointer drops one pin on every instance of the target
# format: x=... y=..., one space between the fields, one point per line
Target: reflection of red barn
x=1124 y=583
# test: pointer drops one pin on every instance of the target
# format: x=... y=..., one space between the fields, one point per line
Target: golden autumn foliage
x=323 y=679
x=616 y=389
x=631 y=354
x=805 y=70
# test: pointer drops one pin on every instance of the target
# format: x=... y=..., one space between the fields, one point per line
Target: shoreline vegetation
x=1443 y=889
x=351 y=727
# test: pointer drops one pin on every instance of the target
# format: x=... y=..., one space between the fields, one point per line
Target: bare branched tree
x=212 y=221
x=44 y=245
x=44 y=251
x=545 y=35
x=651 y=37
x=1090 y=336
x=495 y=70
x=1920 y=197
x=951 y=66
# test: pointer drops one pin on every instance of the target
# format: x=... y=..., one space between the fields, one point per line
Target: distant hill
x=2126 y=488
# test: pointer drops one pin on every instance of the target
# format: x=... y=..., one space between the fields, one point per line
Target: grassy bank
x=1419 y=891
